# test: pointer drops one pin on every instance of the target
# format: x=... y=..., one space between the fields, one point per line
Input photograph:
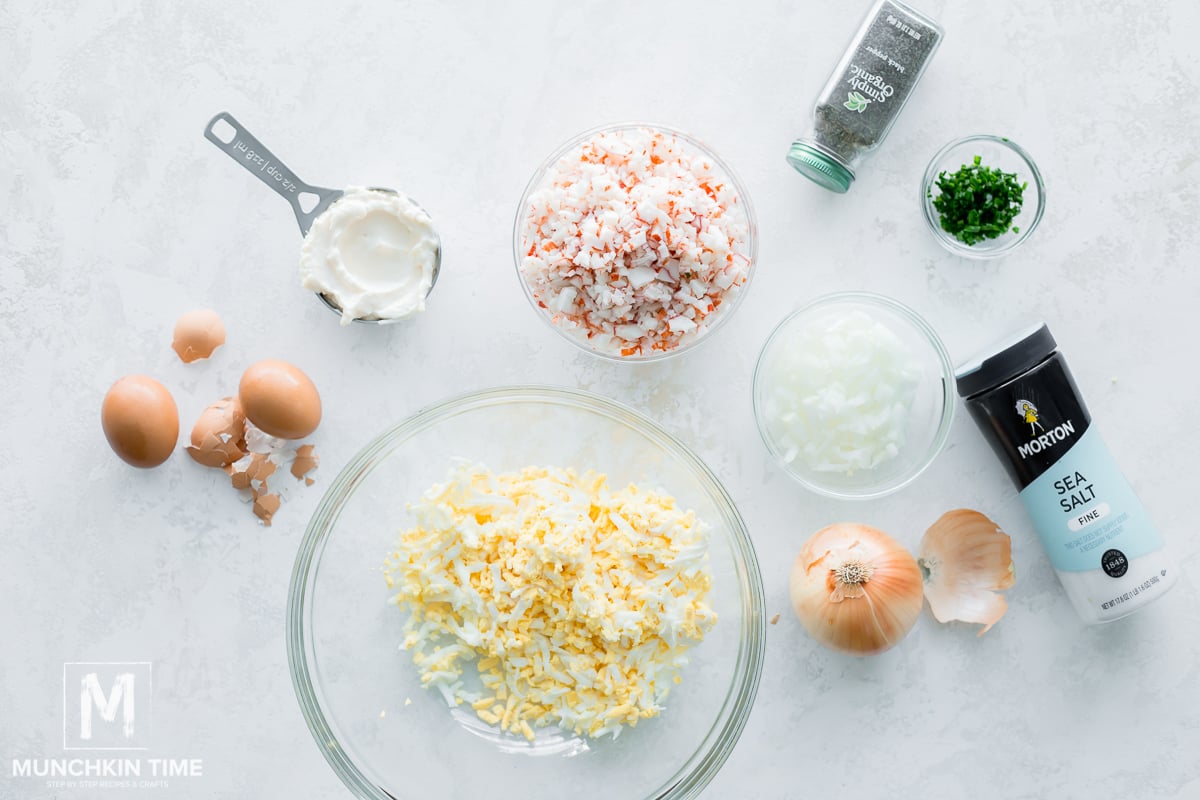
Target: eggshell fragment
x=140 y=421
x=265 y=506
x=261 y=468
x=219 y=436
x=239 y=479
x=280 y=399
x=197 y=335
x=262 y=457
x=305 y=462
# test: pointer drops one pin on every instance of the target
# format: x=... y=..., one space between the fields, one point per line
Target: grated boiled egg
x=575 y=602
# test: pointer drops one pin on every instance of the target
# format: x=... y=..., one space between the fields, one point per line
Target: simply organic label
x=866 y=87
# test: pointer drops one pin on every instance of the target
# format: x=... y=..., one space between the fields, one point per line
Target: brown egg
x=197 y=335
x=219 y=435
x=280 y=399
x=140 y=421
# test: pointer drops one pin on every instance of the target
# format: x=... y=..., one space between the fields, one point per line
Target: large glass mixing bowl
x=389 y=739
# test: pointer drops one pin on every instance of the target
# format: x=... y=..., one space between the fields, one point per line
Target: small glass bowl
x=929 y=417
x=716 y=319
x=994 y=151
x=386 y=736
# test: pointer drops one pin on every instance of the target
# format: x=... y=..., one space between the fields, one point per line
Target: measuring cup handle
x=240 y=145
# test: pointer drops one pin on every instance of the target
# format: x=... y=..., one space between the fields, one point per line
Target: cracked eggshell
x=265 y=506
x=305 y=462
x=197 y=335
x=218 y=437
x=140 y=421
x=280 y=399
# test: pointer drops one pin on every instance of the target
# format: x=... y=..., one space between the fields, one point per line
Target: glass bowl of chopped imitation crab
x=854 y=395
x=526 y=592
x=635 y=241
x=982 y=196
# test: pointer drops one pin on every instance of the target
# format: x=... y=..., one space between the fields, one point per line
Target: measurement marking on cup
x=265 y=166
x=274 y=172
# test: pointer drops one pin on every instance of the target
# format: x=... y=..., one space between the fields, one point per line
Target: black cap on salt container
x=1011 y=358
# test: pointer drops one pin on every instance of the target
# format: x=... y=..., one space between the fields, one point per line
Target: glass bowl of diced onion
x=387 y=736
x=854 y=395
x=582 y=248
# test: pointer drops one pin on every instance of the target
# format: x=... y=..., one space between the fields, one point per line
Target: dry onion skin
x=966 y=560
x=856 y=589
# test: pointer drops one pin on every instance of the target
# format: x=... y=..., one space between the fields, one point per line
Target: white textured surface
x=118 y=216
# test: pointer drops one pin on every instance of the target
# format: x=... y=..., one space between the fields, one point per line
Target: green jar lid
x=820 y=167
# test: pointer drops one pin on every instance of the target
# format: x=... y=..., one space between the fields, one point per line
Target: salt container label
x=1087 y=514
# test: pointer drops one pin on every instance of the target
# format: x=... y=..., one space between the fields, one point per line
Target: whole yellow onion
x=856 y=589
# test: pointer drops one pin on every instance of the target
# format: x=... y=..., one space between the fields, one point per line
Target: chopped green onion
x=978 y=202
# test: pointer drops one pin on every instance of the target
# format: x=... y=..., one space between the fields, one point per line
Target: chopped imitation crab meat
x=633 y=242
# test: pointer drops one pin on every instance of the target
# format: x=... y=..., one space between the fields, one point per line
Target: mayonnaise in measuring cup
x=373 y=254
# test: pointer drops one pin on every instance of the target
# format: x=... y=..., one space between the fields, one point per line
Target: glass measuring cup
x=307 y=201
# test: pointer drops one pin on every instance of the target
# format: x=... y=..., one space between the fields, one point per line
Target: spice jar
x=1105 y=548
x=865 y=93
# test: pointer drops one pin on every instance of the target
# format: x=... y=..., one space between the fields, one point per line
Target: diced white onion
x=837 y=393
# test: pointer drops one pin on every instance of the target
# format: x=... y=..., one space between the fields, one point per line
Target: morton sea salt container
x=1102 y=543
